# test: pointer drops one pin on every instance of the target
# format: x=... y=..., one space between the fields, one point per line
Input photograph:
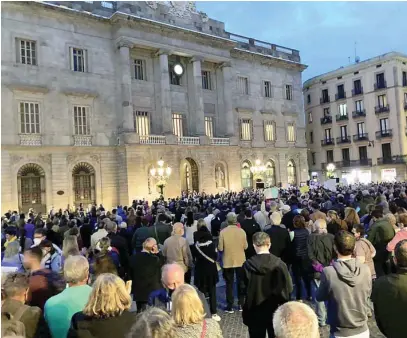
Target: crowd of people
x=151 y=270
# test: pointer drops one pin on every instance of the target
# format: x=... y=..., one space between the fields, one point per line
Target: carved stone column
x=127 y=94
x=165 y=93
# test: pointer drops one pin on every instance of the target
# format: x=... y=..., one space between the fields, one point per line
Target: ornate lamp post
x=258 y=168
x=330 y=168
x=161 y=174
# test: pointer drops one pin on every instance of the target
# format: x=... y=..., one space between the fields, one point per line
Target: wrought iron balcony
x=356 y=114
x=326 y=119
x=340 y=96
x=398 y=159
x=324 y=99
x=356 y=92
x=340 y=117
x=361 y=137
x=343 y=139
x=343 y=164
x=382 y=109
x=328 y=142
x=362 y=162
x=380 y=85
x=384 y=133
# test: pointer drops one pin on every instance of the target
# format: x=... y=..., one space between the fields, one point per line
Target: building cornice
x=27 y=87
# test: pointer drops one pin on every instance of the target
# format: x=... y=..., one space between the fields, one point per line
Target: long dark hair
x=190 y=218
x=23 y=233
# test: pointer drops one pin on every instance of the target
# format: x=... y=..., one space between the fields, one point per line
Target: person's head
x=103 y=245
x=299 y=222
x=391 y=219
x=162 y=218
x=305 y=213
x=377 y=213
x=344 y=243
x=400 y=254
x=47 y=247
x=40 y=234
x=12 y=249
x=295 y=320
x=15 y=286
x=172 y=276
x=315 y=206
x=320 y=226
x=76 y=270
x=109 y=297
x=153 y=323
x=201 y=223
x=187 y=307
x=10 y=232
x=178 y=229
x=104 y=264
x=111 y=227
x=150 y=245
x=351 y=216
x=70 y=246
x=261 y=242
x=331 y=215
x=275 y=218
x=231 y=218
x=359 y=231
x=32 y=258
x=248 y=214
x=403 y=219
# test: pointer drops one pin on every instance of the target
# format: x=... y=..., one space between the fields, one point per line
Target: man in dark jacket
x=389 y=297
x=280 y=238
x=145 y=272
x=250 y=227
x=268 y=284
x=161 y=230
x=120 y=244
x=86 y=230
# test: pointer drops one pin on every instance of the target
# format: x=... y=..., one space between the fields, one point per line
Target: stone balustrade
x=188 y=140
x=30 y=139
x=152 y=139
x=82 y=140
x=220 y=141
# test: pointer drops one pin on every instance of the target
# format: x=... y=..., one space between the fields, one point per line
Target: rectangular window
x=404 y=79
x=327 y=112
x=384 y=125
x=382 y=101
x=141 y=122
x=288 y=92
x=177 y=125
x=325 y=96
x=328 y=135
x=363 y=153
x=313 y=158
x=246 y=129
x=309 y=98
x=359 y=106
x=267 y=89
x=27 y=52
x=311 y=137
x=243 y=85
x=361 y=128
x=310 y=117
x=29 y=117
x=206 y=80
x=329 y=156
x=342 y=109
x=380 y=80
x=386 y=150
x=78 y=60
x=344 y=132
x=357 y=87
x=81 y=120
x=345 y=155
x=139 y=70
x=290 y=133
x=209 y=126
x=269 y=132
x=341 y=91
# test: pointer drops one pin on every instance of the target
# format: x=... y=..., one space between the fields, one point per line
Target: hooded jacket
x=346 y=285
x=268 y=284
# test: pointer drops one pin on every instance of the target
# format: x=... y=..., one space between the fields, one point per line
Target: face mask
x=37 y=241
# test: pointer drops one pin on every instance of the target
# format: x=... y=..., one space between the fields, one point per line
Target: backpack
x=11 y=325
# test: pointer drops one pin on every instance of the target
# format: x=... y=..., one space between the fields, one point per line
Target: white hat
x=123 y=225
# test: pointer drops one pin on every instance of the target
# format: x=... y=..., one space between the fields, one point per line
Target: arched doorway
x=189 y=175
x=270 y=173
x=291 y=173
x=31 y=188
x=247 y=176
x=83 y=177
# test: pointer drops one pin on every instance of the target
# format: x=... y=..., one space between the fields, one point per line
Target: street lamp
x=258 y=168
x=330 y=168
x=161 y=174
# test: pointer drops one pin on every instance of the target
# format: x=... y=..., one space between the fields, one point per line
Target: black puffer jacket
x=321 y=249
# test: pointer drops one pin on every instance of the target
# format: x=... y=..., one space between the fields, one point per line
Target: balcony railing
x=343 y=164
x=220 y=141
x=398 y=159
x=326 y=119
x=340 y=96
x=354 y=163
x=382 y=109
x=360 y=113
x=152 y=139
x=324 y=99
x=380 y=85
x=343 y=139
x=30 y=139
x=384 y=133
x=356 y=92
x=328 y=142
x=340 y=117
x=188 y=140
x=361 y=137
x=82 y=140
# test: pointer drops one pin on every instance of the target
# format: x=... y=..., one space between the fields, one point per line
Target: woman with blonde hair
x=335 y=223
x=106 y=313
x=153 y=323
x=70 y=246
x=189 y=316
x=351 y=218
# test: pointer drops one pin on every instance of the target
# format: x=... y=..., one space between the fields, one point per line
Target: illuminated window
x=269 y=131
x=290 y=133
x=141 y=122
x=246 y=129
x=209 y=126
x=177 y=125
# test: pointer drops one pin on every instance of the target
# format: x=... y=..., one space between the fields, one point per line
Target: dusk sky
x=323 y=32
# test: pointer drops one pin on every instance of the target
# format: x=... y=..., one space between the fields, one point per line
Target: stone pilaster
x=282 y=165
x=127 y=100
x=197 y=93
x=165 y=94
x=227 y=99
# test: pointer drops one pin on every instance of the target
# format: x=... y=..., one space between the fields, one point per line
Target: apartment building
x=356 y=120
x=94 y=94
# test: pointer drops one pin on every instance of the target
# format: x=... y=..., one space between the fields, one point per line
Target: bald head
x=178 y=229
x=172 y=276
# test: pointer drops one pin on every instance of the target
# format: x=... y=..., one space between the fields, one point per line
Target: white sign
x=330 y=184
x=389 y=175
x=270 y=193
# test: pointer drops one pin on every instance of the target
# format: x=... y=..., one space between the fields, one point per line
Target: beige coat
x=176 y=250
x=233 y=243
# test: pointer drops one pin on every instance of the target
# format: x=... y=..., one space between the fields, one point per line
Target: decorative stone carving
x=95 y=158
x=71 y=158
x=220 y=176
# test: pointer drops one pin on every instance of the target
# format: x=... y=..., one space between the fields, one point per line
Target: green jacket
x=363 y=203
x=380 y=234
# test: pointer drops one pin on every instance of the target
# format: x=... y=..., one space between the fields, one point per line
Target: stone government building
x=93 y=97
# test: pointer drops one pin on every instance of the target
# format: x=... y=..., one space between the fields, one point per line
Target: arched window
x=83 y=175
x=291 y=173
x=270 y=173
x=31 y=187
x=247 y=176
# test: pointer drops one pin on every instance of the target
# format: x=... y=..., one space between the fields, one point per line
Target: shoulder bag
x=207 y=257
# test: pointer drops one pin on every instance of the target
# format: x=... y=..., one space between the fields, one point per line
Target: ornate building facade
x=95 y=93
